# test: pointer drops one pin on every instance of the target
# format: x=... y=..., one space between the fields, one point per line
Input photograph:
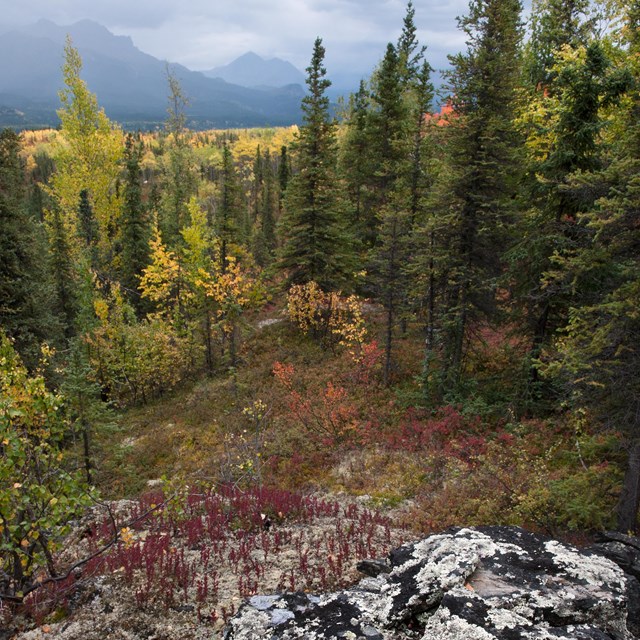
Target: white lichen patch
x=375 y=607
x=595 y=570
x=445 y=625
x=507 y=619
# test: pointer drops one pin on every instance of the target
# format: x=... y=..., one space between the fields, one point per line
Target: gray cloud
x=205 y=33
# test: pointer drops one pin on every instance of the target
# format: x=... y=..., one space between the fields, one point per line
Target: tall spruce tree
x=256 y=185
x=481 y=171
x=136 y=224
x=316 y=247
x=264 y=232
x=410 y=53
x=563 y=125
x=23 y=302
x=179 y=169
x=394 y=122
x=64 y=276
x=284 y=173
x=354 y=155
x=599 y=348
x=229 y=223
x=386 y=140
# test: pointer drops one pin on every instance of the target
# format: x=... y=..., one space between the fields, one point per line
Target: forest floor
x=284 y=471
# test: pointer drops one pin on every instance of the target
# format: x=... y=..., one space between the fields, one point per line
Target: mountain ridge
x=252 y=70
x=130 y=85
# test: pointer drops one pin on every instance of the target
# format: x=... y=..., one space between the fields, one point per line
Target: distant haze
x=204 y=34
x=130 y=84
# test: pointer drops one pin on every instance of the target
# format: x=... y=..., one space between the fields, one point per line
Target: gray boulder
x=625 y=552
x=464 y=584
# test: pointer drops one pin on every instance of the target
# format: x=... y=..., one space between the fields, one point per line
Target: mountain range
x=132 y=86
x=250 y=70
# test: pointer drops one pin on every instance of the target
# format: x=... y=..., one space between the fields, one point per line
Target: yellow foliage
x=339 y=318
x=88 y=154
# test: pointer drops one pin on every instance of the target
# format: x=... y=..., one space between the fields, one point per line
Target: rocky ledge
x=467 y=584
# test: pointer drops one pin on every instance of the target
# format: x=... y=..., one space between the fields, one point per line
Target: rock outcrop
x=464 y=584
x=625 y=552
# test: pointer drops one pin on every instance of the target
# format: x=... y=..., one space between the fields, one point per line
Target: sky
x=202 y=34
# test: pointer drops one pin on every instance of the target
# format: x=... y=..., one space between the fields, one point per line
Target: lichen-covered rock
x=467 y=584
x=625 y=552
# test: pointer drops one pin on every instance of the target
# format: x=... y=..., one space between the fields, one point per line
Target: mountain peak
x=249 y=56
x=45 y=22
x=90 y=25
x=251 y=70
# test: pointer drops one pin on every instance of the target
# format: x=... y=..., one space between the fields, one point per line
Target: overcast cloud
x=202 y=34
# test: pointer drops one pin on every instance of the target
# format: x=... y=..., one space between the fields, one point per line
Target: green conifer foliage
x=410 y=53
x=23 y=302
x=354 y=155
x=231 y=219
x=599 y=349
x=563 y=130
x=554 y=24
x=315 y=243
x=387 y=140
x=180 y=178
x=284 y=173
x=481 y=170
x=136 y=226
x=63 y=274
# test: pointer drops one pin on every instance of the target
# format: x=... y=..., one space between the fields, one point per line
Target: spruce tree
x=269 y=204
x=389 y=223
x=355 y=155
x=23 y=302
x=284 y=173
x=61 y=266
x=422 y=102
x=481 y=171
x=316 y=247
x=86 y=410
x=230 y=223
x=567 y=136
x=136 y=226
x=179 y=169
x=410 y=53
x=256 y=186
x=387 y=141
x=598 y=349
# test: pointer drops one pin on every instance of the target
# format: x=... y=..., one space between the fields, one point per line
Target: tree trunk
x=88 y=466
x=233 y=359
x=391 y=300
x=431 y=297
x=388 y=341
x=630 y=497
x=208 y=343
x=539 y=335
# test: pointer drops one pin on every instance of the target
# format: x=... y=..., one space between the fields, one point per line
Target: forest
x=430 y=307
